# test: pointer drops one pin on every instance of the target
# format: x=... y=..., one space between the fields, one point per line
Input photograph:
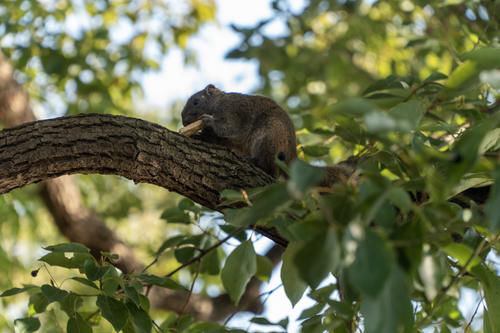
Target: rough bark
x=133 y=148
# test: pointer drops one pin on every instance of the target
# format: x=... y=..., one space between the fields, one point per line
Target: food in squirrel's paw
x=191 y=128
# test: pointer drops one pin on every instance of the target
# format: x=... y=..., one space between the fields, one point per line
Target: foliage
x=411 y=89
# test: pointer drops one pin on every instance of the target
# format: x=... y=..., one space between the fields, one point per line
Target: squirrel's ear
x=211 y=90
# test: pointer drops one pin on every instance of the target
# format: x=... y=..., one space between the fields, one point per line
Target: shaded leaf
x=390 y=310
x=239 y=267
x=302 y=177
x=15 y=291
x=113 y=311
x=372 y=265
x=53 y=294
x=318 y=257
x=290 y=277
x=175 y=215
x=492 y=208
x=86 y=282
x=77 y=324
x=269 y=200
x=24 y=325
x=164 y=282
x=67 y=247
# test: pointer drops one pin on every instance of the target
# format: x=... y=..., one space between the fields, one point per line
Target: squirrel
x=254 y=127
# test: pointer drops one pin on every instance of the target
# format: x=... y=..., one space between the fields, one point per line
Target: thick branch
x=135 y=149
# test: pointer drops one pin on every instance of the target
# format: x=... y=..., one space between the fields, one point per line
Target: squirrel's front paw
x=208 y=120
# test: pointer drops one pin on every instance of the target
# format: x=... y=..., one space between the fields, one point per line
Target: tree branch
x=133 y=148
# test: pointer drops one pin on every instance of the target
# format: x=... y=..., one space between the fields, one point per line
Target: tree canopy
x=407 y=90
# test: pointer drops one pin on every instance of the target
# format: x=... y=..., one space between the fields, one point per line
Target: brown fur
x=254 y=127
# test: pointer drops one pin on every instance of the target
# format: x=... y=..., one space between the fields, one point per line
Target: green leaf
x=470 y=180
x=264 y=268
x=462 y=78
x=316 y=151
x=133 y=295
x=311 y=311
x=53 y=294
x=85 y=282
x=318 y=257
x=94 y=271
x=302 y=177
x=185 y=253
x=486 y=57
x=462 y=253
x=383 y=84
x=492 y=207
x=164 y=282
x=39 y=302
x=15 y=291
x=436 y=76
x=262 y=321
x=210 y=263
x=354 y=107
x=400 y=198
x=175 y=215
x=170 y=243
x=407 y=115
x=59 y=259
x=239 y=267
x=77 y=324
x=67 y=247
x=71 y=303
x=390 y=310
x=269 y=200
x=110 y=281
x=378 y=121
x=113 y=311
x=490 y=282
x=290 y=277
x=24 y=325
x=140 y=319
x=373 y=259
x=491 y=141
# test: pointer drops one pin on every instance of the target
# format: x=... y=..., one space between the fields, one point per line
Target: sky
x=175 y=81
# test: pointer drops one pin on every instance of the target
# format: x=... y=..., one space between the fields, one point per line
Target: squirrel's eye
x=196 y=101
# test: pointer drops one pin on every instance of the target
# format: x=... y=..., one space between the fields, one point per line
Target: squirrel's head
x=199 y=103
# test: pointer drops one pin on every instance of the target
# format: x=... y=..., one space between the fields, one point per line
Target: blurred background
x=145 y=58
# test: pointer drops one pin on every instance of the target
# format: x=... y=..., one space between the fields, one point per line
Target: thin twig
x=191 y=289
x=201 y=255
x=205 y=252
x=473 y=315
x=440 y=298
